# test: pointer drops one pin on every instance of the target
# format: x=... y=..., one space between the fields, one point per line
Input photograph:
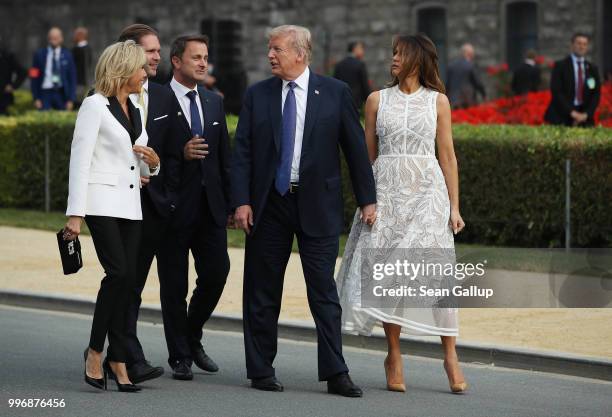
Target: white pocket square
x=161 y=117
x=215 y=123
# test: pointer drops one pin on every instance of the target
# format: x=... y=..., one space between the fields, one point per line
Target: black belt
x=293 y=187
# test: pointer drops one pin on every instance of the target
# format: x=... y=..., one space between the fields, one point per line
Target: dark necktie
x=580 y=90
x=196 y=124
x=283 y=170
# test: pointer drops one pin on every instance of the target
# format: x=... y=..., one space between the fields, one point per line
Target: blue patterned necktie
x=196 y=123
x=283 y=170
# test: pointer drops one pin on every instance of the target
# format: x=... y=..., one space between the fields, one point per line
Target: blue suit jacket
x=67 y=73
x=331 y=123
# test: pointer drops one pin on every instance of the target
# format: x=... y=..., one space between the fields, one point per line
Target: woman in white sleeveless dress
x=417 y=201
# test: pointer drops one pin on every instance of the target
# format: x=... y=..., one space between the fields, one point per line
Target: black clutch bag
x=70 y=252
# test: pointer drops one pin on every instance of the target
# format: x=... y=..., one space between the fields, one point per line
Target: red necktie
x=580 y=91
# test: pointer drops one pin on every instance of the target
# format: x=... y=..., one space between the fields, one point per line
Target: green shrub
x=512 y=184
x=512 y=178
x=22 y=158
x=23 y=103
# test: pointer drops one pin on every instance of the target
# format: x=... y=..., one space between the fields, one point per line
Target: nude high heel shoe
x=457 y=387
x=396 y=387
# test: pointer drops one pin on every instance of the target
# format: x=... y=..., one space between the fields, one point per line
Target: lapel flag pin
x=179 y=114
x=316 y=91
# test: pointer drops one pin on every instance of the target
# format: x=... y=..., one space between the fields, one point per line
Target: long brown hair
x=417 y=54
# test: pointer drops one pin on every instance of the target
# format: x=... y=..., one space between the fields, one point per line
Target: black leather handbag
x=70 y=252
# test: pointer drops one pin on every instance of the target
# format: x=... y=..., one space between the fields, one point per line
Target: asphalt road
x=41 y=357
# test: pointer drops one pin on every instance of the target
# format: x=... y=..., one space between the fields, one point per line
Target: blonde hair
x=116 y=65
x=301 y=39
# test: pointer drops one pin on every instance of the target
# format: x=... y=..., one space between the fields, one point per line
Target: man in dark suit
x=83 y=60
x=575 y=87
x=202 y=214
x=159 y=193
x=286 y=181
x=53 y=75
x=463 y=81
x=352 y=70
x=12 y=75
x=527 y=76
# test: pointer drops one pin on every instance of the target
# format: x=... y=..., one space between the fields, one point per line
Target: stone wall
x=333 y=24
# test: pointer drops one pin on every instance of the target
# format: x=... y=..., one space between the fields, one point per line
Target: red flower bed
x=527 y=109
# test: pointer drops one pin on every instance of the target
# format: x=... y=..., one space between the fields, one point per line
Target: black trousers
x=153 y=231
x=116 y=242
x=208 y=244
x=266 y=257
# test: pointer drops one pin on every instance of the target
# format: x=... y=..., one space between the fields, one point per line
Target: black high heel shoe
x=120 y=387
x=99 y=383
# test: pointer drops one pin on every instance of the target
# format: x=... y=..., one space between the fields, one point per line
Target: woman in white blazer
x=107 y=159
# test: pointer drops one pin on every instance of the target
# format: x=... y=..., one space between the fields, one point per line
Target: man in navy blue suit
x=286 y=182
x=53 y=75
x=199 y=222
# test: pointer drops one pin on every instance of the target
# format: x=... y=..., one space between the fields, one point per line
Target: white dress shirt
x=578 y=61
x=51 y=54
x=136 y=97
x=301 y=98
x=180 y=91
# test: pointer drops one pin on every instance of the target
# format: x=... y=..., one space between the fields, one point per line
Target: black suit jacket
x=163 y=188
x=331 y=122
x=11 y=72
x=353 y=72
x=214 y=169
x=563 y=91
x=83 y=61
x=526 y=78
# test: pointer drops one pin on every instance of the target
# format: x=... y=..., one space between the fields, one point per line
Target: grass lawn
x=524 y=259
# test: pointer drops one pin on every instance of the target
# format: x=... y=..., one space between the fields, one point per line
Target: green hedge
x=23 y=103
x=22 y=158
x=512 y=178
x=512 y=184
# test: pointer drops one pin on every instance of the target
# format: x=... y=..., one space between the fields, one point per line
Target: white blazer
x=104 y=170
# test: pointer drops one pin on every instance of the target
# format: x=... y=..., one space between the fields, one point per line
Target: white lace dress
x=413 y=212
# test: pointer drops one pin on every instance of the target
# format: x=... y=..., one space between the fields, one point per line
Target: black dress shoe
x=203 y=361
x=143 y=371
x=182 y=371
x=341 y=384
x=269 y=383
